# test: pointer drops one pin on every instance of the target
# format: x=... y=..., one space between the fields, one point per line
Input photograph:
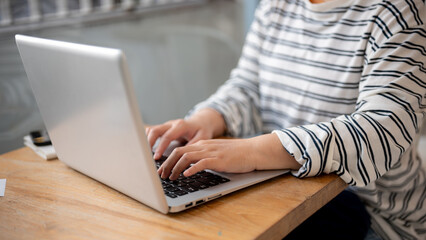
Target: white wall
x=176 y=58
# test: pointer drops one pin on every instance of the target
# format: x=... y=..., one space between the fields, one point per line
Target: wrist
x=211 y=120
x=269 y=154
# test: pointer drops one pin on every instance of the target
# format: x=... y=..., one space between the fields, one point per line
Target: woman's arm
x=264 y=152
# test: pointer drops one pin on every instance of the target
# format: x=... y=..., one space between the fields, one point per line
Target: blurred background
x=178 y=51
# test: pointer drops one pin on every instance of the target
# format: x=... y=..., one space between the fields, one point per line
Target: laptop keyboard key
x=181 y=184
x=171 y=195
x=188 y=189
x=184 y=185
x=212 y=183
x=223 y=180
x=195 y=185
x=180 y=193
x=172 y=189
x=188 y=180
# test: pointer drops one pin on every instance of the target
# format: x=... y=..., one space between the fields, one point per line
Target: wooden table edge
x=280 y=227
x=315 y=202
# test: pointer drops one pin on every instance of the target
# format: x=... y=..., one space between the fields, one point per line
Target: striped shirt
x=343 y=85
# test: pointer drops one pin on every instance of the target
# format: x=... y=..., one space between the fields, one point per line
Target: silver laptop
x=86 y=98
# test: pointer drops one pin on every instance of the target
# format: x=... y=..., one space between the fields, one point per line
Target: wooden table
x=48 y=200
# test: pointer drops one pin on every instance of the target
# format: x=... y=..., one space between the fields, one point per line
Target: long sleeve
x=364 y=145
x=238 y=99
x=343 y=85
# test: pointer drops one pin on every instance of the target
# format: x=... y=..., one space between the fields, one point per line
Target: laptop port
x=199 y=202
x=210 y=198
x=188 y=205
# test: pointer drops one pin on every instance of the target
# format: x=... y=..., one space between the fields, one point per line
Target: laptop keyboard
x=184 y=185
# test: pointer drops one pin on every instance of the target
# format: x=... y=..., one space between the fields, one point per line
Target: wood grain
x=48 y=200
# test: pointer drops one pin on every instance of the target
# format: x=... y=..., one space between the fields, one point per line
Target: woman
x=332 y=87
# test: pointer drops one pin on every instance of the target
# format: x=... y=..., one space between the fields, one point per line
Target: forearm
x=270 y=154
x=266 y=150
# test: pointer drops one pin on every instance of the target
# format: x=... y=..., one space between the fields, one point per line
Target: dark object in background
x=40 y=138
x=344 y=217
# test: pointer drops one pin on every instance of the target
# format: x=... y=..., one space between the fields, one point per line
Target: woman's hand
x=228 y=155
x=205 y=124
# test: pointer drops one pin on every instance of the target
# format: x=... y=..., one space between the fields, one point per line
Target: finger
x=156 y=132
x=172 y=134
x=198 y=136
x=159 y=171
x=201 y=165
x=147 y=130
x=186 y=160
x=175 y=156
x=170 y=162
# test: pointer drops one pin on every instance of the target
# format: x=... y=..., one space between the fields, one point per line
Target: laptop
x=86 y=99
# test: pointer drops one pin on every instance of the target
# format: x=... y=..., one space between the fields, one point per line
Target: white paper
x=2 y=187
x=46 y=152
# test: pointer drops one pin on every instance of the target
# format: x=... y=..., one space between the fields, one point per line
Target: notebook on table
x=85 y=96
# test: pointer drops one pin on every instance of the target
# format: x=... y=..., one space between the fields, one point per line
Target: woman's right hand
x=205 y=124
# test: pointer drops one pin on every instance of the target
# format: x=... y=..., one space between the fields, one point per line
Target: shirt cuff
x=308 y=152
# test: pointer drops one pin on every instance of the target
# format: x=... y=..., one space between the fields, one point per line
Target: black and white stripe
x=343 y=85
